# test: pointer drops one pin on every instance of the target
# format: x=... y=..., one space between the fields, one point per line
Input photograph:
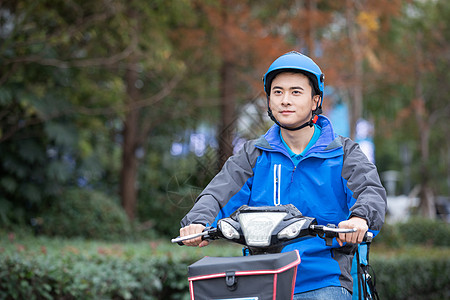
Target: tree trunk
x=227 y=86
x=227 y=111
x=310 y=6
x=128 y=174
x=356 y=102
x=356 y=106
x=427 y=204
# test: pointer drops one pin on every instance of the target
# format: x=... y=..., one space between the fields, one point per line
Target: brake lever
x=179 y=240
x=208 y=233
x=331 y=231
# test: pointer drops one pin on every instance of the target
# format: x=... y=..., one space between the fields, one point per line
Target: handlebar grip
x=177 y=240
x=368 y=237
x=331 y=231
x=207 y=233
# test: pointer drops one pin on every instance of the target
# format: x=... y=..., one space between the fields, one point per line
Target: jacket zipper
x=277 y=184
x=292 y=176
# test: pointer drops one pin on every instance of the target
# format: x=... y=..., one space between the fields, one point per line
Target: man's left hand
x=353 y=237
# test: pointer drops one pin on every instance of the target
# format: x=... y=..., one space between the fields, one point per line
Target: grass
x=27 y=244
x=381 y=251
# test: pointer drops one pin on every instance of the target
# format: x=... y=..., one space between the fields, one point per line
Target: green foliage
x=38 y=135
x=63 y=91
x=91 y=278
x=55 y=268
x=172 y=186
x=162 y=277
x=418 y=277
x=415 y=231
x=412 y=260
x=86 y=213
x=408 y=96
x=23 y=184
x=389 y=236
x=425 y=231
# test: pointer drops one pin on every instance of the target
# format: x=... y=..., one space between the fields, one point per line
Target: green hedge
x=86 y=213
x=411 y=260
x=413 y=278
x=415 y=231
x=92 y=278
x=58 y=268
x=164 y=276
x=411 y=266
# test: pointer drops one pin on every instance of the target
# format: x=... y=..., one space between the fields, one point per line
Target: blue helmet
x=296 y=62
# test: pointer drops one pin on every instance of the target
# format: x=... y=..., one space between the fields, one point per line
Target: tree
x=38 y=135
x=112 y=53
x=351 y=50
x=244 y=47
x=151 y=74
x=428 y=36
x=411 y=92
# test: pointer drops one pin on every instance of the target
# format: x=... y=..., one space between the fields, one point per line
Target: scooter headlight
x=258 y=227
x=228 y=230
x=292 y=230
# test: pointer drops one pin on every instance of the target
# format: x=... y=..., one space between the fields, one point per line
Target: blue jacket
x=333 y=181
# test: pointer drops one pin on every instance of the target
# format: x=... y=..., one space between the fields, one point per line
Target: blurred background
x=114 y=115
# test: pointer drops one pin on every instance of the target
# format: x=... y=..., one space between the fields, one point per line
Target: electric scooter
x=264 y=272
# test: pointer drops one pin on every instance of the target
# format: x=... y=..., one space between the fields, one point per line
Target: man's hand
x=353 y=237
x=193 y=229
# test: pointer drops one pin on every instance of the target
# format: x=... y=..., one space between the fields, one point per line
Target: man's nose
x=286 y=100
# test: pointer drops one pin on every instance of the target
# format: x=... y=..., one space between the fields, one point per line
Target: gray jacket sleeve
x=363 y=180
x=234 y=174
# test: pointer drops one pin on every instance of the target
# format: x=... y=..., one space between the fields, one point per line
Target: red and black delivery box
x=257 y=277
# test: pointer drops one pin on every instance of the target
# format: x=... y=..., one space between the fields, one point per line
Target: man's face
x=290 y=99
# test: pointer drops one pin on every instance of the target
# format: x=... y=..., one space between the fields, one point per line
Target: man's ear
x=316 y=101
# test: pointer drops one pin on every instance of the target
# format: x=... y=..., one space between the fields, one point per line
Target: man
x=300 y=161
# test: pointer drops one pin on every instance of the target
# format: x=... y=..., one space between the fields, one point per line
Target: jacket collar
x=327 y=141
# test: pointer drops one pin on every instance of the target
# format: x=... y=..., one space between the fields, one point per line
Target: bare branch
x=8 y=134
x=66 y=64
x=8 y=73
x=163 y=93
x=438 y=114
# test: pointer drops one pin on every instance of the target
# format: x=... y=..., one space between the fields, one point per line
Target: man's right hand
x=193 y=229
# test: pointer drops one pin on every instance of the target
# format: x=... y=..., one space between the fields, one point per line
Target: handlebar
x=331 y=231
x=325 y=232
x=209 y=233
x=179 y=240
